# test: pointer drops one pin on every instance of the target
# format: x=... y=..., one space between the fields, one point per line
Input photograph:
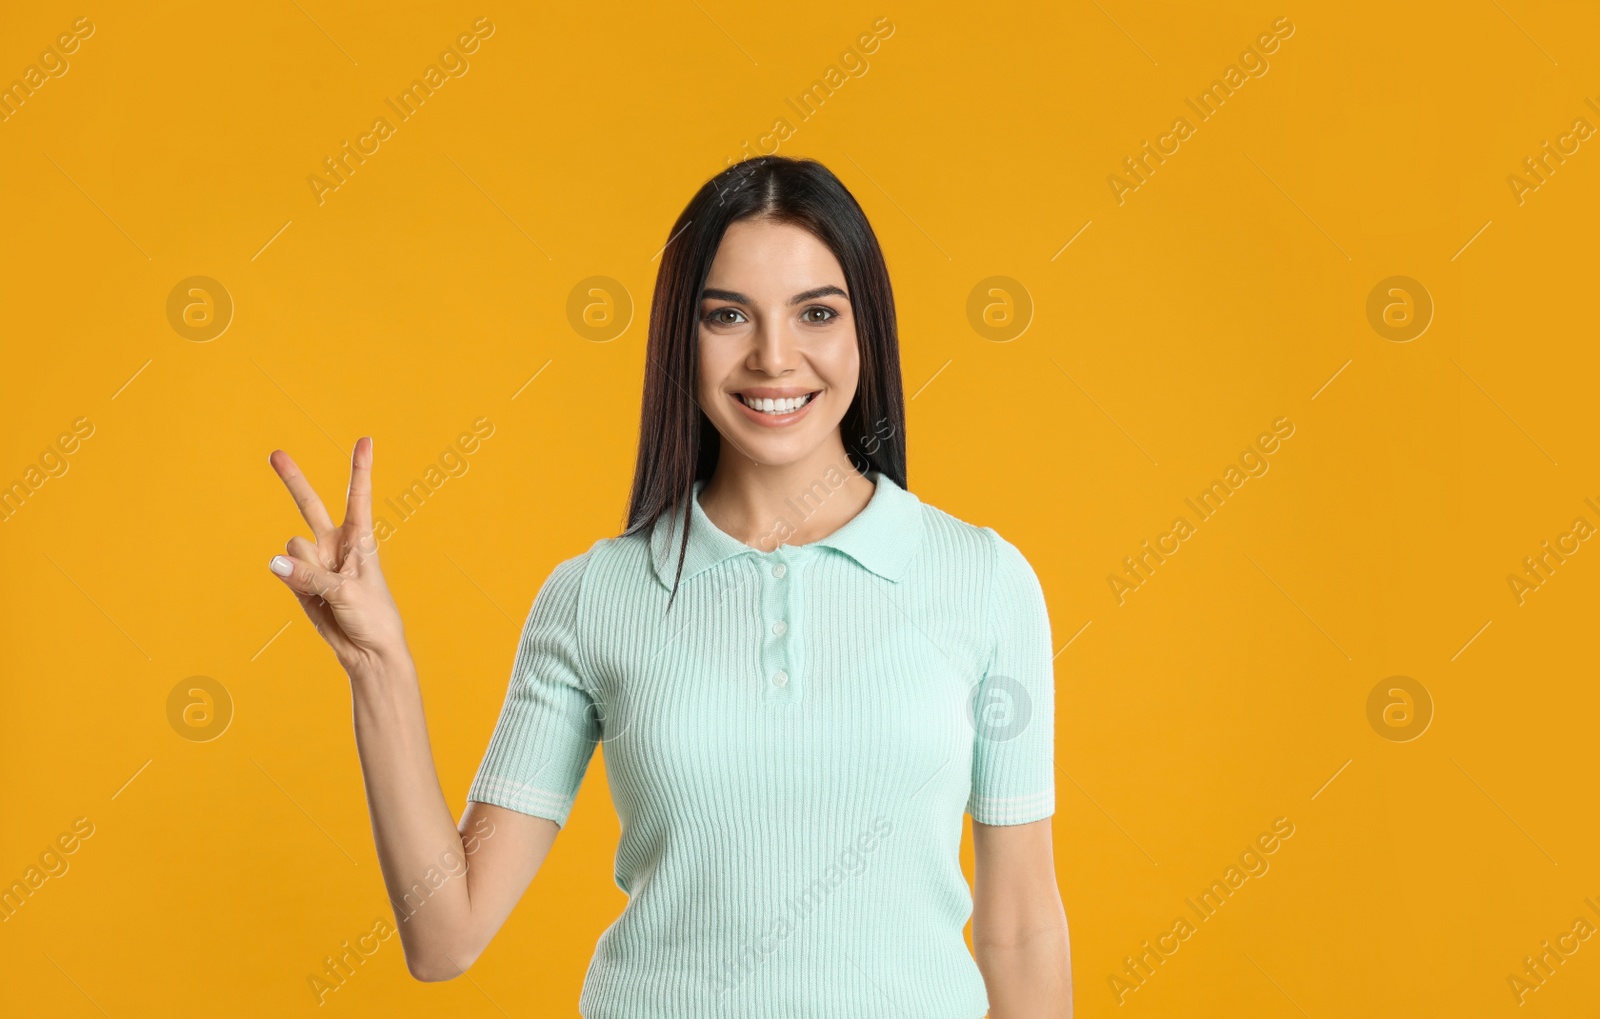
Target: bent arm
x=1019 y=928
x=451 y=886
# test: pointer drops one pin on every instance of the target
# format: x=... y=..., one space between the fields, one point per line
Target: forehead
x=765 y=257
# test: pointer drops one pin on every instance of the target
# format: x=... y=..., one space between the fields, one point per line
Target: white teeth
x=767 y=405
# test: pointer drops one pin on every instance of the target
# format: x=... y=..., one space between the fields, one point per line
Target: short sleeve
x=548 y=726
x=1013 y=754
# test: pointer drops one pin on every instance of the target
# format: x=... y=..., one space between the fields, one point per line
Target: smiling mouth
x=775 y=407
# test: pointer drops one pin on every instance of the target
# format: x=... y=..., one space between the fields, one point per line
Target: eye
x=713 y=316
x=831 y=314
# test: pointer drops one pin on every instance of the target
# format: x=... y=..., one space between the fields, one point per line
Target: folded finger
x=304 y=576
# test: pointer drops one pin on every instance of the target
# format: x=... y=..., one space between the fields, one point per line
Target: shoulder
x=615 y=574
x=625 y=557
x=975 y=547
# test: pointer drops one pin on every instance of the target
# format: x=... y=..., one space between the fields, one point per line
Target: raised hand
x=336 y=577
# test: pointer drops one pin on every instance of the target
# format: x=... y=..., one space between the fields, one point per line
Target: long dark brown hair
x=678 y=445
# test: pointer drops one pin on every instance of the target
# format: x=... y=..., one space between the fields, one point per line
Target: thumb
x=305 y=577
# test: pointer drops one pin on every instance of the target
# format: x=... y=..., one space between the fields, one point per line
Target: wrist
x=386 y=661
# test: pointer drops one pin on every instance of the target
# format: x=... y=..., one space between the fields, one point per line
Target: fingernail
x=281 y=565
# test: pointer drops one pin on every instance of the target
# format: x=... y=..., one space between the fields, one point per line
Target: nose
x=774 y=348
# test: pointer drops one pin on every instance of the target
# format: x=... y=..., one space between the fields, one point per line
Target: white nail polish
x=282 y=565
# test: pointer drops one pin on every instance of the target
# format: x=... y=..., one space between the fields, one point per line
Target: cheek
x=709 y=373
x=840 y=361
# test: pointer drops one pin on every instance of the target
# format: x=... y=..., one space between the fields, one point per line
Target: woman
x=802 y=674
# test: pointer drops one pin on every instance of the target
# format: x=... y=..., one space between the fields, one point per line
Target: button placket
x=780 y=601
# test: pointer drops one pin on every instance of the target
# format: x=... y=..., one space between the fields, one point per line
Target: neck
x=767 y=505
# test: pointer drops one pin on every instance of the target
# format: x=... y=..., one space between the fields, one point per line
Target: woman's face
x=776 y=330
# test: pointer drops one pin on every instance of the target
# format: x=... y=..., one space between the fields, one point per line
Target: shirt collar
x=884 y=537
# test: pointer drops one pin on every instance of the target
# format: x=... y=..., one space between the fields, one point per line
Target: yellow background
x=432 y=285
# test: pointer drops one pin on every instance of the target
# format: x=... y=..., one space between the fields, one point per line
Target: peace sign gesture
x=336 y=577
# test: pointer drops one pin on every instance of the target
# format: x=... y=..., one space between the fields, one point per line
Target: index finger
x=305 y=497
x=358 y=508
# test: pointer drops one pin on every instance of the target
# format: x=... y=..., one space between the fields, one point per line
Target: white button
x=780 y=628
x=779 y=678
x=779 y=570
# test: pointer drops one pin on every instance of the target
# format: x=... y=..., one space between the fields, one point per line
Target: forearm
x=1028 y=972
x=419 y=847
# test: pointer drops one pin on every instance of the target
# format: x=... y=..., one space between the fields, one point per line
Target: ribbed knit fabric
x=790 y=751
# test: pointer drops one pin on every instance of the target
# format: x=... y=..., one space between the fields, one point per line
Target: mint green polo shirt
x=790 y=751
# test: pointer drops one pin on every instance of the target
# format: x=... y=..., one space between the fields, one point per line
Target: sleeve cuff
x=524 y=799
x=1012 y=809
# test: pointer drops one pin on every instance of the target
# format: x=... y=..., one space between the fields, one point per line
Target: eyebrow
x=712 y=294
